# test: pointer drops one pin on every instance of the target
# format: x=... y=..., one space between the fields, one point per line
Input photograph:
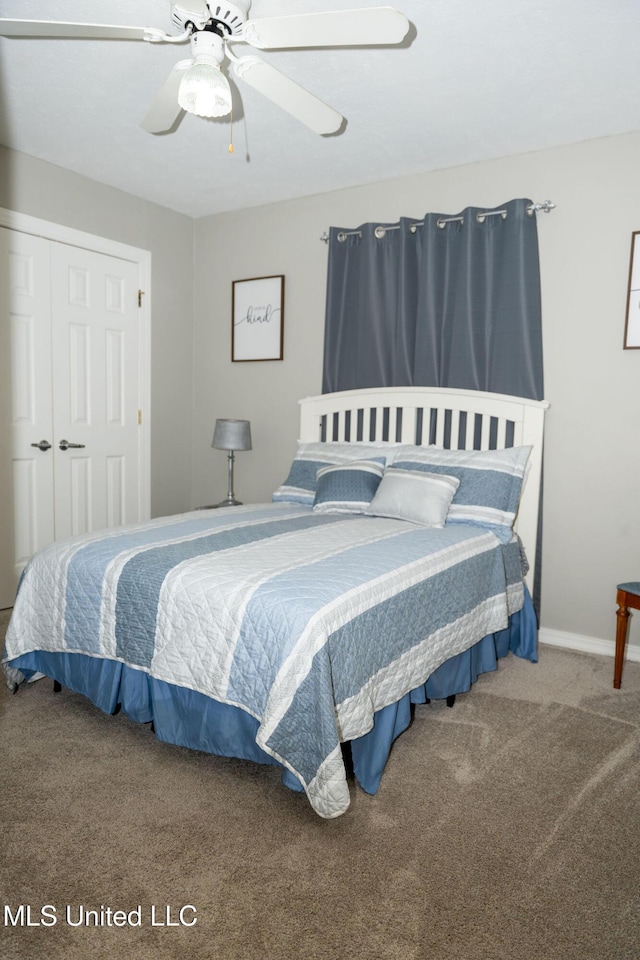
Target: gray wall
x=29 y=186
x=592 y=461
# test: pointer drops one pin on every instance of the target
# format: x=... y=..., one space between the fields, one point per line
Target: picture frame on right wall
x=632 y=322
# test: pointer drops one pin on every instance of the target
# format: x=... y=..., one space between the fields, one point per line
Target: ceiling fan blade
x=288 y=94
x=46 y=29
x=165 y=109
x=338 y=28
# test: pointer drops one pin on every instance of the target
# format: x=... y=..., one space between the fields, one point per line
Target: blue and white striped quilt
x=309 y=622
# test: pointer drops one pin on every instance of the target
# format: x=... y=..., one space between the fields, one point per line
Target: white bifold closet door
x=75 y=355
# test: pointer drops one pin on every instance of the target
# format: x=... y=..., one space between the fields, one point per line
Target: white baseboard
x=575 y=641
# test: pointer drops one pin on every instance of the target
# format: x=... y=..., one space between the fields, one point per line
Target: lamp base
x=229 y=502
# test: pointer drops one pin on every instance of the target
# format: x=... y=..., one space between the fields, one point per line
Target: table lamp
x=231 y=435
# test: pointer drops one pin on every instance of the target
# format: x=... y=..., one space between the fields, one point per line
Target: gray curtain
x=451 y=300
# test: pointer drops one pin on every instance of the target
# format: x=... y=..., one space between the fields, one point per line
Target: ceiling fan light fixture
x=204 y=90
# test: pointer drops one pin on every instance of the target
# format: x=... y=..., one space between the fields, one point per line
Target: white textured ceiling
x=480 y=79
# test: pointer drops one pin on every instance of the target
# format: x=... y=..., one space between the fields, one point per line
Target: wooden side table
x=628 y=595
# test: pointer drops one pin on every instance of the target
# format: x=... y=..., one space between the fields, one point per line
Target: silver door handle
x=43 y=445
x=65 y=445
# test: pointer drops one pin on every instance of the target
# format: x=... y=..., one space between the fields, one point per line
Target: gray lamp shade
x=232 y=435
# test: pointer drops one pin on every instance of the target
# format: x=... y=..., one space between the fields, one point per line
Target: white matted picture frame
x=632 y=322
x=257 y=321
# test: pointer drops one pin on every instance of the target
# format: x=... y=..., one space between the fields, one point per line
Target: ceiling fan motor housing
x=231 y=15
x=207 y=44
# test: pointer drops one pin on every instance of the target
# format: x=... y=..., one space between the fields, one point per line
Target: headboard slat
x=455 y=429
x=440 y=422
x=485 y=432
x=409 y=425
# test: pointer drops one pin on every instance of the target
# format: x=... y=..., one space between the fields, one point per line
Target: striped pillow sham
x=300 y=484
x=490 y=482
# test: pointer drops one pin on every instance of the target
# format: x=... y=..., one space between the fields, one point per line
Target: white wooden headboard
x=455 y=419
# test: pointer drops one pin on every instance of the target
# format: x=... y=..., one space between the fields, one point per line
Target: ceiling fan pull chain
x=231 y=130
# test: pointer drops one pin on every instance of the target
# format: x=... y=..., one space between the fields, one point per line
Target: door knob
x=65 y=445
x=43 y=445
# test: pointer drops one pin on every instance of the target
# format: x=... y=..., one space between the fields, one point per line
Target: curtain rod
x=545 y=207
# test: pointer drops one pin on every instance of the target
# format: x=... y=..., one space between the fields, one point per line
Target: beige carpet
x=506 y=828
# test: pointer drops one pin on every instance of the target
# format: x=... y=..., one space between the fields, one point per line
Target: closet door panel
x=26 y=284
x=96 y=354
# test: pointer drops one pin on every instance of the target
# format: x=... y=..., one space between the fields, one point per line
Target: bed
x=388 y=569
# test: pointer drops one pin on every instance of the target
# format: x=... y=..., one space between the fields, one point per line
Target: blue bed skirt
x=190 y=719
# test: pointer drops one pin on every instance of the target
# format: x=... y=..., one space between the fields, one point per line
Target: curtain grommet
x=379 y=233
x=481 y=217
x=443 y=221
x=341 y=237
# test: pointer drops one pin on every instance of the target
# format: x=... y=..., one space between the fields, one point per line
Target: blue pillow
x=300 y=485
x=490 y=482
x=348 y=487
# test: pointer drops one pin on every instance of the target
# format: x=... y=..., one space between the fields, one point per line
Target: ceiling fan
x=198 y=84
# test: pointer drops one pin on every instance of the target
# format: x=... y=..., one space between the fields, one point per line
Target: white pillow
x=415 y=496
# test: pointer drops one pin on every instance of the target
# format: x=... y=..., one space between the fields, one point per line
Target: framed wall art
x=632 y=322
x=257 y=328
